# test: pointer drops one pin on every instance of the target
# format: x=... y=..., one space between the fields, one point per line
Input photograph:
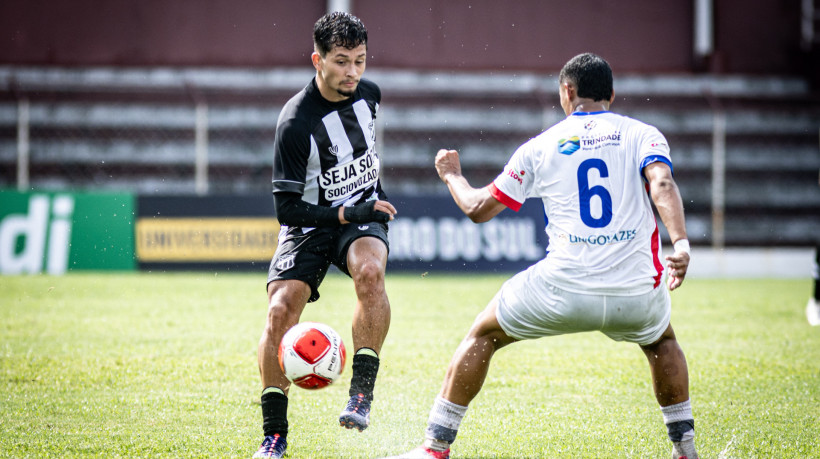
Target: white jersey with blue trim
x=588 y=172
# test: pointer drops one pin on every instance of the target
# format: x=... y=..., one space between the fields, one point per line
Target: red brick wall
x=528 y=35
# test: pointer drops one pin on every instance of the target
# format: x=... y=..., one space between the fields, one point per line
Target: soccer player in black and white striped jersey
x=332 y=209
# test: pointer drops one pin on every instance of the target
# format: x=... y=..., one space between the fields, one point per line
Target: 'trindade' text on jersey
x=587 y=170
x=325 y=150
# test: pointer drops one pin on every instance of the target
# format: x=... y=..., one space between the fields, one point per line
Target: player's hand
x=371 y=211
x=677 y=264
x=385 y=207
x=447 y=163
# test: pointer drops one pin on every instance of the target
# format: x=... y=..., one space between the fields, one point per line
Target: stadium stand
x=136 y=130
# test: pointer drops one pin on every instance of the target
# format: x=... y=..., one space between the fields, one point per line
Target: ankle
x=436 y=445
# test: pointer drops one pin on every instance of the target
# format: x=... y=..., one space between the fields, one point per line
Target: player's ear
x=316 y=59
x=570 y=90
x=612 y=97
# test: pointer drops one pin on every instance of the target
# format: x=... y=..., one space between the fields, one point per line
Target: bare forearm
x=476 y=203
x=465 y=196
x=665 y=195
x=667 y=199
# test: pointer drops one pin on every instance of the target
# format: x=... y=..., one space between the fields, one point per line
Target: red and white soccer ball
x=312 y=355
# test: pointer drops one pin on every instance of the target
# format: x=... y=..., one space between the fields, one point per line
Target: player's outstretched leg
x=356 y=415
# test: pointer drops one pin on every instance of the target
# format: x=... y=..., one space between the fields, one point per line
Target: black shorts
x=307 y=257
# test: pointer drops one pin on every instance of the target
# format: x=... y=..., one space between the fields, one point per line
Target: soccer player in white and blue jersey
x=594 y=172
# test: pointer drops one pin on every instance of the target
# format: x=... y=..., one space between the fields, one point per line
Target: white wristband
x=682 y=245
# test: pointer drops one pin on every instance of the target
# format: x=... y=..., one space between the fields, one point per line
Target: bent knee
x=280 y=318
x=369 y=273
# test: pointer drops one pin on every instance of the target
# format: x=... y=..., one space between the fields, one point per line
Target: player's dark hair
x=338 y=29
x=590 y=74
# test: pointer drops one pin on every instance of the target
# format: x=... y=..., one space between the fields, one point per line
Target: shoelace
x=354 y=405
x=271 y=443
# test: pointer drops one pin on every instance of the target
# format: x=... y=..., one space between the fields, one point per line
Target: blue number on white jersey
x=585 y=194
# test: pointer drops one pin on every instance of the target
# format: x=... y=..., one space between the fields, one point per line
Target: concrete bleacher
x=133 y=130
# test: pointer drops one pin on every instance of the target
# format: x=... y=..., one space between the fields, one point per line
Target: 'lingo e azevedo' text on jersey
x=603 y=239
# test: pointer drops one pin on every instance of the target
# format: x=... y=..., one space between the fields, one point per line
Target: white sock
x=443 y=423
x=678 y=412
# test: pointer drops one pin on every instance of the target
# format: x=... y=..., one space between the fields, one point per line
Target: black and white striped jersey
x=326 y=151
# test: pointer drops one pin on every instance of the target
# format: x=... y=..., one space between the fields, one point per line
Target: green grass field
x=164 y=365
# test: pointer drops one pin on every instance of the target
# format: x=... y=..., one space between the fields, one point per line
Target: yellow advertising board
x=206 y=239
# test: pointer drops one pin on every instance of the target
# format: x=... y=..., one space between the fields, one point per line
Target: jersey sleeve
x=653 y=147
x=514 y=183
x=290 y=155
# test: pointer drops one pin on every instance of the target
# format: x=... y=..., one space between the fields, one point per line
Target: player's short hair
x=338 y=29
x=590 y=74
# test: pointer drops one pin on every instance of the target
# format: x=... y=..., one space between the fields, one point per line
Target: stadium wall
x=762 y=37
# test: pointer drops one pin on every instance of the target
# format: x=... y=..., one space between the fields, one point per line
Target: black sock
x=365 y=368
x=275 y=414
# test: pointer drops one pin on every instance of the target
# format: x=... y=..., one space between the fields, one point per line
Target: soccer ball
x=312 y=355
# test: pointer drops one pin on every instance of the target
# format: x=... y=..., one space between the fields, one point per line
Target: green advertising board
x=55 y=232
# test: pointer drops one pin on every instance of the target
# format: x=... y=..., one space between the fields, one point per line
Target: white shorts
x=530 y=308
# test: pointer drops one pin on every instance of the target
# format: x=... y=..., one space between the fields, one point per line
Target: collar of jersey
x=588 y=113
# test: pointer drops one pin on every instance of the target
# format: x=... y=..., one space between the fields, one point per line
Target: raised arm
x=666 y=196
x=476 y=203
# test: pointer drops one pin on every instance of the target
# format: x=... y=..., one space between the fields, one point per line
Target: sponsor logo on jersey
x=569 y=146
x=604 y=239
x=599 y=141
x=515 y=176
x=333 y=149
x=348 y=178
x=589 y=125
x=363 y=227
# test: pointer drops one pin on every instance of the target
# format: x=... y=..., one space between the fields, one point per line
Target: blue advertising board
x=430 y=233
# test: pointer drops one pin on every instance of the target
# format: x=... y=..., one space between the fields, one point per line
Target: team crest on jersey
x=569 y=146
x=285 y=263
x=372 y=127
x=333 y=149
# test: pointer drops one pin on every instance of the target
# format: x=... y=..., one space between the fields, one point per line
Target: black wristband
x=365 y=213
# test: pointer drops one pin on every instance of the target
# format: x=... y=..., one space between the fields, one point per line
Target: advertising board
x=431 y=234
x=56 y=232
